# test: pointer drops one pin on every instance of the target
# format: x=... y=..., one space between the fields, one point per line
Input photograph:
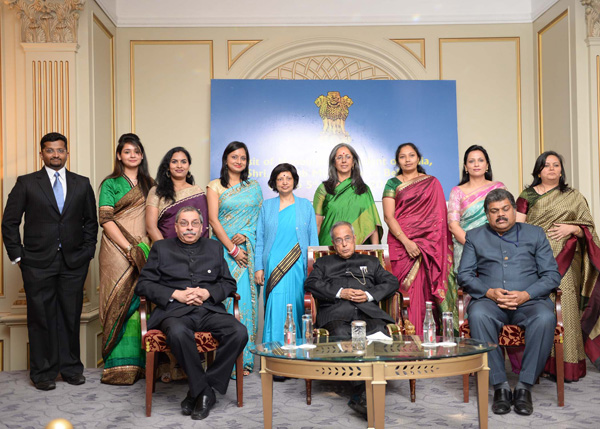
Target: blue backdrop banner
x=301 y=121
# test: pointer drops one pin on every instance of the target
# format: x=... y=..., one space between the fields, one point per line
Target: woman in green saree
x=122 y=206
x=344 y=196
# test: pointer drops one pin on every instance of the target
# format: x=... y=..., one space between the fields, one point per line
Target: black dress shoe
x=522 y=402
x=45 y=385
x=187 y=405
x=75 y=380
x=204 y=402
x=358 y=402
x=502 y=401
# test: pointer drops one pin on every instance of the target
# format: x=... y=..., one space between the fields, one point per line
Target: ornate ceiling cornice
x=48 y=21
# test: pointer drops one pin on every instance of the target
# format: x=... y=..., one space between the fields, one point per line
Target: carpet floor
x=439 y=404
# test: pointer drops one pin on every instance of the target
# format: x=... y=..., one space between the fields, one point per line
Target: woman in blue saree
x=234 y=202
x=286 y=227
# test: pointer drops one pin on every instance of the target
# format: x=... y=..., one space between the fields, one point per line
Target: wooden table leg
x=267 y=393
x=378 y=386
x=370 y=408
x=483 y=378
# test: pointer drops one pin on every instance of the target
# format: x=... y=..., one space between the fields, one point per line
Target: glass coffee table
x=404 y=359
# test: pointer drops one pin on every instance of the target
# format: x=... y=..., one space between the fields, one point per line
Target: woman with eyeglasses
x=175 y=188
x=563 y=212
x=344 y=196
x=234 y=202
x=286 y=227
x=414 y=208
x=123 y=251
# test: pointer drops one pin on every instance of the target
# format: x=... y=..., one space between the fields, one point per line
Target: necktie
x=58 y=192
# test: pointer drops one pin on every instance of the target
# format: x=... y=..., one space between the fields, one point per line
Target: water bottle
x=428 y=324
x=289 y=328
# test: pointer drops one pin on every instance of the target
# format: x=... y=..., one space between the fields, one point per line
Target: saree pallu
x=421 y=213
x=121 y=331
x=467 y=209
x=290 y=288
x=347 y=205
x=579 y=263
x=193 y=197
x=238 y=214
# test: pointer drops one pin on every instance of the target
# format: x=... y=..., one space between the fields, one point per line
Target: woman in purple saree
x=174 y=189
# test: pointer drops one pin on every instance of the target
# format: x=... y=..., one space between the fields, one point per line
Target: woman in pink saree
x=419 y=241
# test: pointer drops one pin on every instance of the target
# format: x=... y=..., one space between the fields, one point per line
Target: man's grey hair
x=340 y=223
x=498 y=195
x=189 y=209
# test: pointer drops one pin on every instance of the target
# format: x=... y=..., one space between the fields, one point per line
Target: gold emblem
x=333 y=109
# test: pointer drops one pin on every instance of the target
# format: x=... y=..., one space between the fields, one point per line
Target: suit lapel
x=71 y=185
x=44 y=182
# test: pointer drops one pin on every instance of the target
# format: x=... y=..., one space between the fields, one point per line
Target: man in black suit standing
x=188 y=279
x=349 y=286
x=60 y=235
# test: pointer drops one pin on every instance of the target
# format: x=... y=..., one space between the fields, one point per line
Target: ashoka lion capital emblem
x=333 y=110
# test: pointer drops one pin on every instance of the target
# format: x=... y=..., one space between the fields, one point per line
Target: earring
x=189 y=174
x=487 y=169
x=168 y=174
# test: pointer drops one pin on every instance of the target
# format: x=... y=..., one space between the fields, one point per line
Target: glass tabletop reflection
x=407 y=348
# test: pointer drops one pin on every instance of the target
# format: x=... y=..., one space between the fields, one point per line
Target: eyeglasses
x=347 y=157
x=346 y=239
x=50 y=151
x=185 y=223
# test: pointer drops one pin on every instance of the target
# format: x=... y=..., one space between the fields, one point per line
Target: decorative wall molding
x=592 y=17
x=237 y=48
x=415 y=47
x=48 y=21
x=369 y=62
x=240 y=13
x=328 y=67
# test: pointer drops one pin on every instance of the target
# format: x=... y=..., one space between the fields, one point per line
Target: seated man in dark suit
x=509 y=271
x=187 y=278
x=349 y=286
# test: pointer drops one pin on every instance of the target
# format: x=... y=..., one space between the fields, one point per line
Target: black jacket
x=76 y=229
x=331 y=273
x=173 y=265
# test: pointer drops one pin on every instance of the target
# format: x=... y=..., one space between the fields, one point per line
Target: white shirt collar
x=62 y=173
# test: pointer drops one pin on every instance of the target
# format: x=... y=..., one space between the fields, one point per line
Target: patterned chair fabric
x=513 y=336
x=155 y=341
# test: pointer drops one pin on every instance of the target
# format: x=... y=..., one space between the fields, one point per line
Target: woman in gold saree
x=122 y=204
x=565 y=216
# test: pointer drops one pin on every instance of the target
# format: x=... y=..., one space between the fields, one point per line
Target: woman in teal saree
x=234 y=203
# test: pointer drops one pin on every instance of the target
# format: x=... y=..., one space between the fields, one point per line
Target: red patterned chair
x=395 y=306
x=513 y=336
x=155 y=341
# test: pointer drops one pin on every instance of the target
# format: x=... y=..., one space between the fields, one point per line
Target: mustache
x=501 y=218
x=193 y=233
